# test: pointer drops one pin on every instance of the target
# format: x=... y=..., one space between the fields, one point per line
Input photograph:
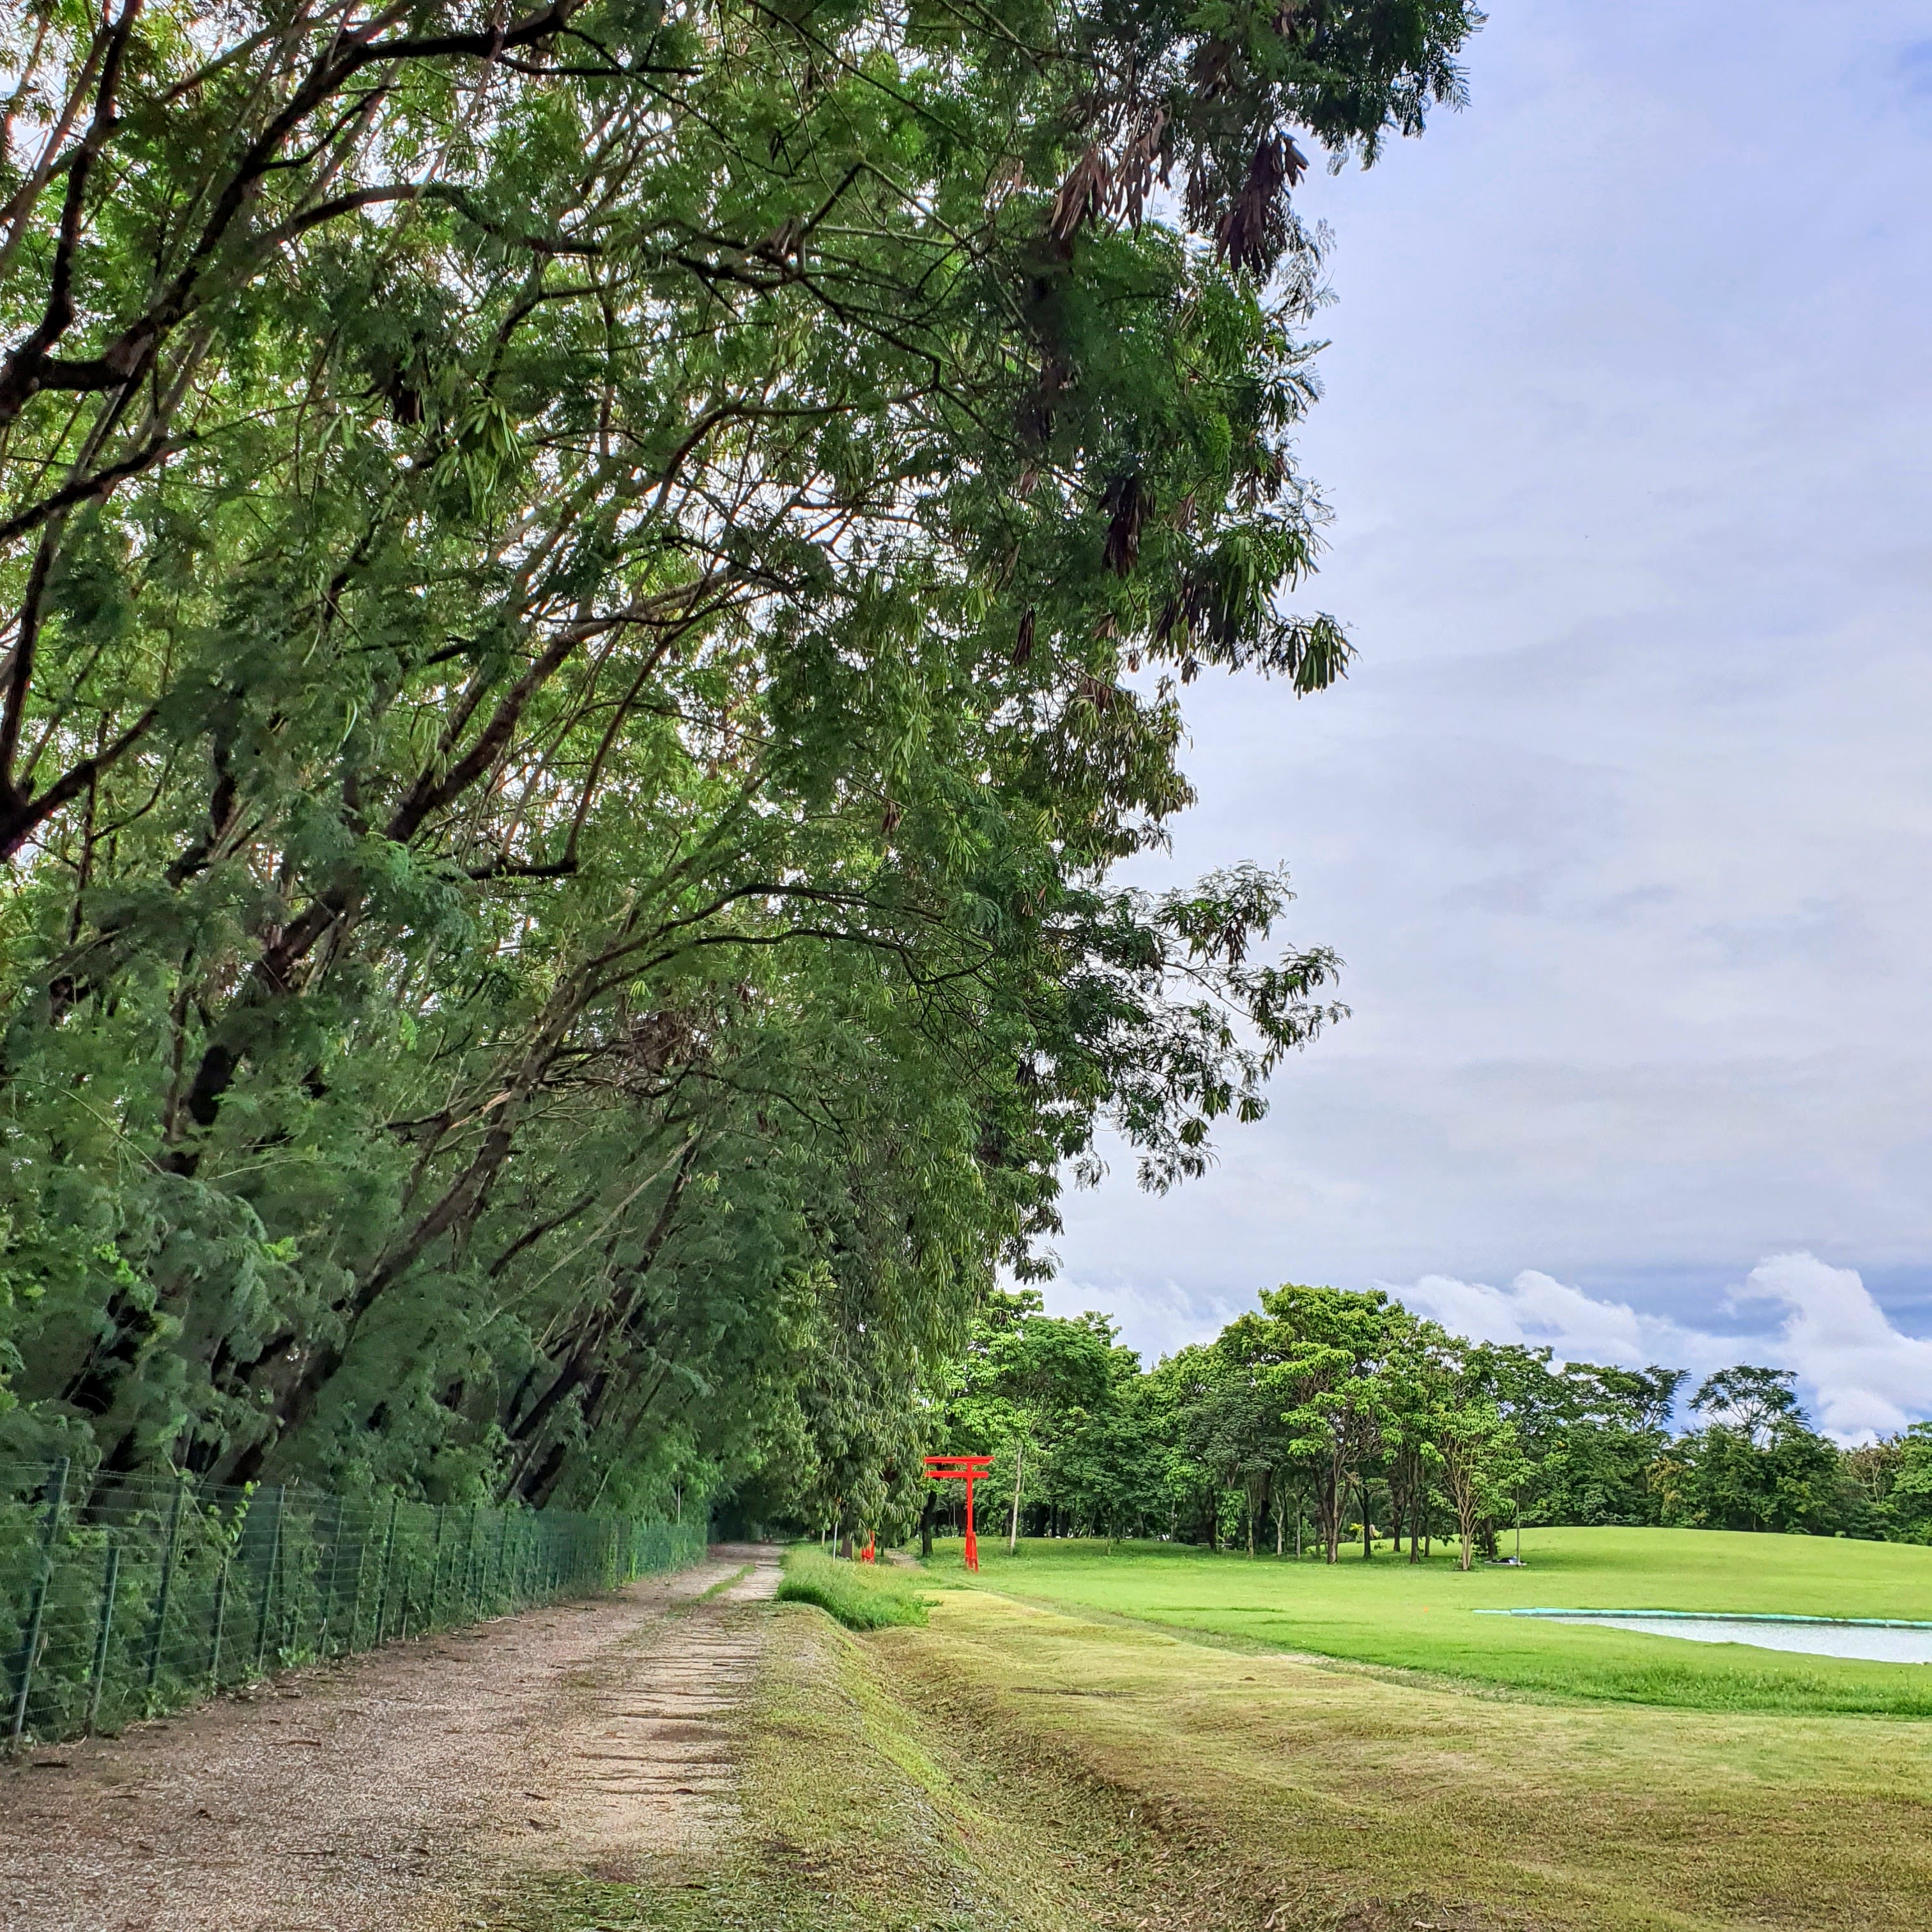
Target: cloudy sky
x=1624 y=823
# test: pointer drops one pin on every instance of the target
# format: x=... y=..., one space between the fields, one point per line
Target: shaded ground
x=399 y=1791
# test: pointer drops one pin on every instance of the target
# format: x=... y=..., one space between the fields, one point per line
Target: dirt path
x=387 y=1793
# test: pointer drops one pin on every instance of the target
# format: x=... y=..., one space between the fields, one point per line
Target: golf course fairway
x=1400 y=1616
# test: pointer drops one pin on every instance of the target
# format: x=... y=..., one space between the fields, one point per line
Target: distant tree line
x=1325 y=1418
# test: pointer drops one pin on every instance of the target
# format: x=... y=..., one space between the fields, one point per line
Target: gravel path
x=393 y=1792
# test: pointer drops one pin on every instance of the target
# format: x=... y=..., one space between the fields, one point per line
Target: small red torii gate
x=967 y=1469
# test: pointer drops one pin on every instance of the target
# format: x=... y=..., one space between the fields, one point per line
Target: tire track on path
x=387 y=1793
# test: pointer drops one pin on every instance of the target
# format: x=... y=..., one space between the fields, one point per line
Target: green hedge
x=121 y=1597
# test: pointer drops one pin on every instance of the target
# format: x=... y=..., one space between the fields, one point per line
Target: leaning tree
x=589 y=598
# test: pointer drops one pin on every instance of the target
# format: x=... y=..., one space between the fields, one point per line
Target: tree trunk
x=926 y=1514
x=1013 y=1526
x=1465 y=1513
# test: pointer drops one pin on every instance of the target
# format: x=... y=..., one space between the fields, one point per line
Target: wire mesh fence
x=122 y=1596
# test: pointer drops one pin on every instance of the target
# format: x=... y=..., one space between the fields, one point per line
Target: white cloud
x=1860 y=1375
x=1157 y=1318
x=1633 y=763
x=1538 y=1311
x=1869 y=1378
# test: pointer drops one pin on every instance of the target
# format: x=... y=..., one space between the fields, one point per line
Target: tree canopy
x=1341 y=1414
x=589 y=597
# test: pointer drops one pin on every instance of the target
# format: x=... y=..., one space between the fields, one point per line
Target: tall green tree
x=569 y=583
x=1757 y=1464
x=1599 y=1467
x=1040 y=1381
x=1333 y=1348
x=1480 y=1458
x=1910 y=1497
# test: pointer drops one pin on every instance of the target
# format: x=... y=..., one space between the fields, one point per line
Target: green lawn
x=1018 y=1765
x=1387 y=1613
x=1333 y=1796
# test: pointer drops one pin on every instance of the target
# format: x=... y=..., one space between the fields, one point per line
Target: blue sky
x=1623 y=822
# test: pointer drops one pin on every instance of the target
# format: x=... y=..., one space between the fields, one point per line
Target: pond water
x=1821 y=1637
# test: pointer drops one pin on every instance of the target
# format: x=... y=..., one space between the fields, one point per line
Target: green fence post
x=220 y=1617
x=36 y=1616
x=103 y=1629
x=388 y=1560
x=328 y=1588
x=268 y=1580
x=435 y=1567
x=361 y=1569
x=497 y=1560
x=469 y=1568
x=166 y=1592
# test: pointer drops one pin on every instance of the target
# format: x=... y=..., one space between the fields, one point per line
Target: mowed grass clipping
x=1349 y=1792
x=847 y=1816
x=1386 y=1612
x=855 y=1809
x=862 y=1596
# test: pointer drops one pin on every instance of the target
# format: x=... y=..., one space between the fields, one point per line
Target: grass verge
x=862 y=1596
x=852 y=1815
x=874 y=1799
x=1333 y=1795
x=711 y=1590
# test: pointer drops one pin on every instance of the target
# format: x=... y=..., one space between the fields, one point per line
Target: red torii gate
x=967 y=1469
